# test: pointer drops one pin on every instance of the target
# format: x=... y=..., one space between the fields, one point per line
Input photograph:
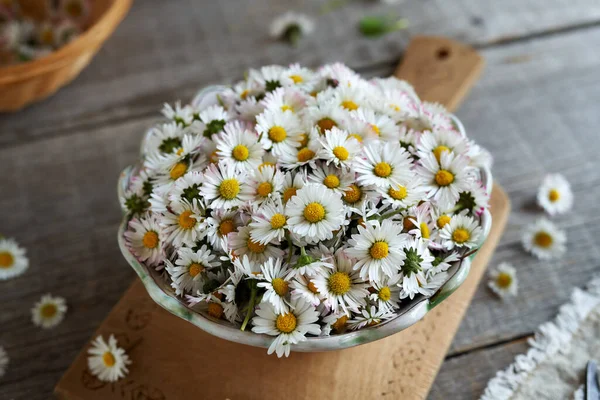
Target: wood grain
x=535 y=109
x=167 y=350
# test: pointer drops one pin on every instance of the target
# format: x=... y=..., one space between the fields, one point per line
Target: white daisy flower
x=284 y=99
x=382 y=125
x=441 y=263
x=265 y=183
x=446 y=179
x=4 y=360
x=49 y=311
x=185 y=224
x=378 y=249
x=269 y=222
x=386 y=293
x=279 y=131
x=349 y=98
x=246 y=267
x=433 y=284
x=213 y=119
x=426 y=116
x=270 y=77
x=384 y=164
x=145 y=239
x=186 y=188
x=403 y=196
x=220 y=225
x=474 y=199
x=339 y=148
x=164 y=139
x=336 y=179
x=370 y=317
x=292 y=182
x=325 y=116
x=107 y=361
x=289 y=327
x=341 y=286
x=292 y=158
x=239 y=146
x=302 y=77
x=421 y=223
x=461 y=231
x=441 y=141
x=417 y=261
x=304 y=288
x=480 y=157
x=503 y=280
x=356 y=196
x=359 y=130
x=183 y=116
x=187 y=273
x=339 y=75
x=315 y=212
x=13 y=261
x=544 y=240
x=277 y=284
x=291 y=26
x=241 y=243
x=554 y=195
x=223 y=187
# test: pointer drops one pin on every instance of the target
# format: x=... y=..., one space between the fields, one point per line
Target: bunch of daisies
x=306 y=202
x=23 y=38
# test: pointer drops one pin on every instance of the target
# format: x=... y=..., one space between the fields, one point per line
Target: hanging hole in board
x=443 y=53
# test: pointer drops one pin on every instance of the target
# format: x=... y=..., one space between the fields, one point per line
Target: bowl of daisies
x=305 y=210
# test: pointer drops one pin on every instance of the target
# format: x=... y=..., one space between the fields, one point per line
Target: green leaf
x=374 y=26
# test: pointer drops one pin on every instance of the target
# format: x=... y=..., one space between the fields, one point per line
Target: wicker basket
x=26 y=83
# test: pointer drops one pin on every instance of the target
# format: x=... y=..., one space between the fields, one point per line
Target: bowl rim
x=415 y=310
x=101 y=29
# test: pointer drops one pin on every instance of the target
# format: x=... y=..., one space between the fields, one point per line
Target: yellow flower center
x=341 y=153
x=444 y=177
x=278 y=221
x=289 y=193
x=244 y=94
x=6 y=259
x=229 y=188
x=215 y=310
x=554 y=195
x=443 y=220
x=303 y=140
x=326 y=124
x=280 y=286
x=376 y=129
x=437 y=152
x=264 y=189
x=314 y=212
x=150 y=240
x=461 y=235
x=108 y=359
x=384 y=293
x=543 y=239
x=399 y=194
x=255 y=247
x=356 y=136
x=339 y=283
x=340 y=323
x=48 y=310
x=331 y=181
x=240 y=152
x=186 y=221
x=277 y=134
x=305 y=154
x=424 y=230
x=353 y=194
x=311 y=286
x=266 y=164
x=285 y=108
x=286 y=323
x=395 y=107
x=195 y=269
x=178 y=170
x=503 y=280
x=296 y=78
x=382 y=169
x=379 y=250
x=180 y=151
x=349 y=105
x=226 y=227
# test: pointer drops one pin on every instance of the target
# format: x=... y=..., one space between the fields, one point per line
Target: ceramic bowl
x=409 y=313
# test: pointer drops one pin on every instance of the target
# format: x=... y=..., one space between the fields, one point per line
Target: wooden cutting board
x=173 y=359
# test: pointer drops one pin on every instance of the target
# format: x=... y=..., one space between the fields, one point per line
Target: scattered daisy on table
x=107 y=361
x=49 y=311
x=555 y=195
x=503 y=280
x=13 y=259
x=544 y=239
x=291 y=27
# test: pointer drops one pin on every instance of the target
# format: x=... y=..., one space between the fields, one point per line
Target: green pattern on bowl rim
x=409 y=313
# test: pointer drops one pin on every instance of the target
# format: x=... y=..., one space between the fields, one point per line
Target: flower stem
x=250 y=309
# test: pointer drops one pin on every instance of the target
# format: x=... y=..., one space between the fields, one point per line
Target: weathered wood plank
x=152 y=58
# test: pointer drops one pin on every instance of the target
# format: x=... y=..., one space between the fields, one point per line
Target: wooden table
x=535 y=109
